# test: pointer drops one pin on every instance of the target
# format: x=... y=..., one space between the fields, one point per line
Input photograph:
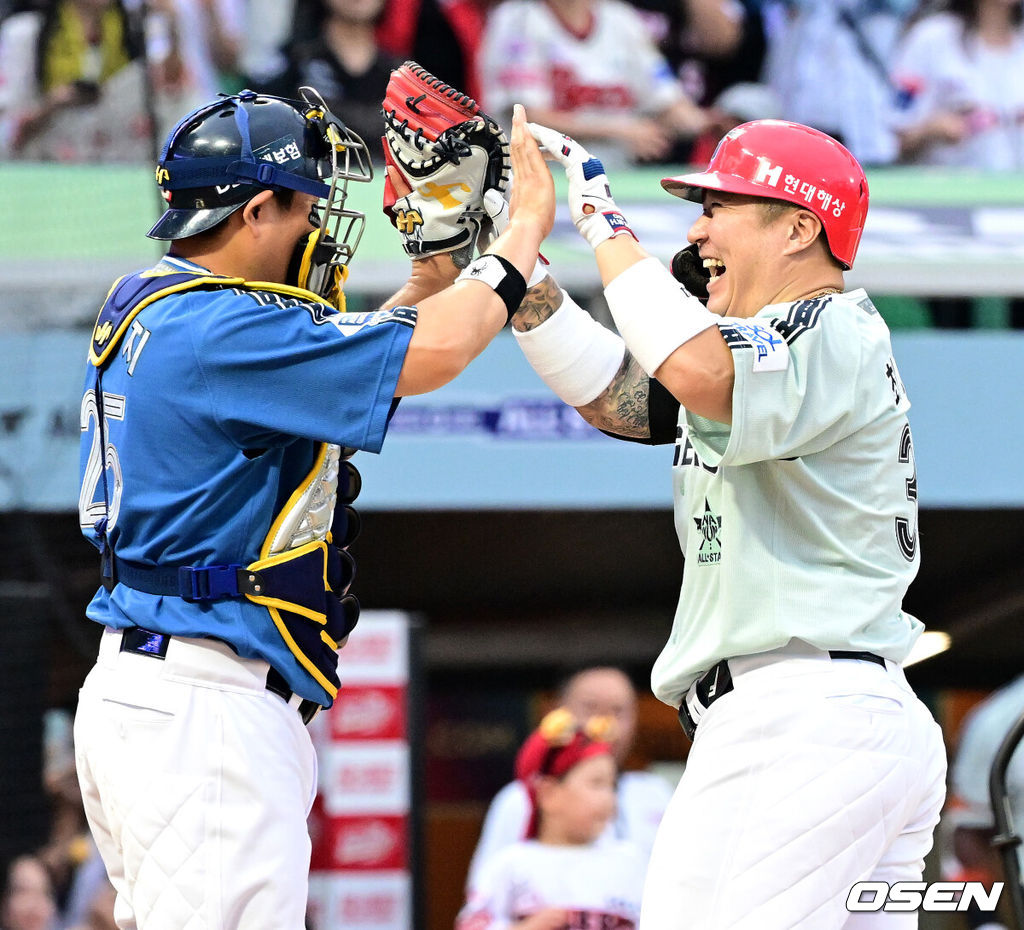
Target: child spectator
x=560 y=876
x=640 y=797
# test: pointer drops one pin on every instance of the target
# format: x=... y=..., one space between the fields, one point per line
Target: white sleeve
x=488 y=897
x=803 y=382
x=504 y=824
x=654 y=84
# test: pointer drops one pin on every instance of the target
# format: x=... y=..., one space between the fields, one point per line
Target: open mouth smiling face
x=715 y=267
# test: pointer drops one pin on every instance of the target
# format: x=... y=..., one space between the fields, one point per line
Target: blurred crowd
x=61 y=885
x=937 y=82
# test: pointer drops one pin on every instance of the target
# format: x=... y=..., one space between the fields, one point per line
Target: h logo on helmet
x=767 y=172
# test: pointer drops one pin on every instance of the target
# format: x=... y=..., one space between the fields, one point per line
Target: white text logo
x=925 y=896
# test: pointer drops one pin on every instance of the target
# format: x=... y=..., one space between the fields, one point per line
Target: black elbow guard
x=662 y=417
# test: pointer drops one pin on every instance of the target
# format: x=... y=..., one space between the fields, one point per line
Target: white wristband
x=654 y=313
x=574 y=355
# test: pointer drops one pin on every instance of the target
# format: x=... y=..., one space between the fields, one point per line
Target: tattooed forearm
x=622 y=408
x=539 y=303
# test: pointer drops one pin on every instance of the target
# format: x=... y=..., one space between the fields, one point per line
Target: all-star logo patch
x=709 y=525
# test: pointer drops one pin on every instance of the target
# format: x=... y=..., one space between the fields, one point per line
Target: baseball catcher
x=442 y=154
x=226 y=388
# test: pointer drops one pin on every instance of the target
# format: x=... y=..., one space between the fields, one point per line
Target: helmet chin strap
x=312 y=267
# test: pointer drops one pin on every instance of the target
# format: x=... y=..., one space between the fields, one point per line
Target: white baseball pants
x=197 y=782
x=812 y=774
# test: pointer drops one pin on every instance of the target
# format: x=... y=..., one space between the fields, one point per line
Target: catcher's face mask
x=219 y=156
x=320 y=260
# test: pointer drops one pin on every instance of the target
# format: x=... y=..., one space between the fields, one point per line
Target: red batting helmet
x=788 y=161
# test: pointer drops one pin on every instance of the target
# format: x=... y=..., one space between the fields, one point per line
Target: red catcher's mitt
x=449 y=153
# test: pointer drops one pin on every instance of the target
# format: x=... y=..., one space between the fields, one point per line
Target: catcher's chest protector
x=302 y=577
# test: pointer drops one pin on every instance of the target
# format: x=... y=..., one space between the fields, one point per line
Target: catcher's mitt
x=449 y=153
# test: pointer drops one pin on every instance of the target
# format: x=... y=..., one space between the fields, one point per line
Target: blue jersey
x=216 y=404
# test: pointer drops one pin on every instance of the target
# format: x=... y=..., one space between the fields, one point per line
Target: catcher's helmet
x=788 y=161
x=220 y=156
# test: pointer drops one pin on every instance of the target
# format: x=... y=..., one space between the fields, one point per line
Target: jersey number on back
x=906 y=529
x=100 y=460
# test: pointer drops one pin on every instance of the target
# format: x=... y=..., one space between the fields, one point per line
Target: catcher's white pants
x=811 y=775
x=197 y=782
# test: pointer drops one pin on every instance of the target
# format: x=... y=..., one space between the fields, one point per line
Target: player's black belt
x=147 y=643
x=718 y=681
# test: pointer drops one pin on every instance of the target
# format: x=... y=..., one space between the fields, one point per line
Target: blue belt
x=147 y=643
x=189 y=582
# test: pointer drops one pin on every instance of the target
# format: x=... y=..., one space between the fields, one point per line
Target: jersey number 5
x=100 y=460
x=906 y=529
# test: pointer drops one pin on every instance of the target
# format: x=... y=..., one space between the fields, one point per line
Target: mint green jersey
x=800 y=519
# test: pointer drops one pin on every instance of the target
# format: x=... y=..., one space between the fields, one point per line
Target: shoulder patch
x=350 y=323
x=803 y=316
x=770 y=350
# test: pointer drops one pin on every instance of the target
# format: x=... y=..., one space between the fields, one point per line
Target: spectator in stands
x=68 y=843
x=739 y=103
x=195 y=48
x=90 y=900
x=269 y=30
x=78 y=878
x=72 y=86
x=961 y=78
x=345 y=64
x=28 y=902
x=710 y=44
x=852 y=99
x=981 y=735
x=641 y=796
x=560 y=875
x=442 y=35
x=590 y=69
x=99 y=912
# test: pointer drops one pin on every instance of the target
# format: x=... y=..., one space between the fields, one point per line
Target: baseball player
x=813 y=764
x=641 y=797
x=225 y=393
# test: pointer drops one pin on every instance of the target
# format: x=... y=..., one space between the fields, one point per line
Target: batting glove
x=590 y=197
x=496 y=222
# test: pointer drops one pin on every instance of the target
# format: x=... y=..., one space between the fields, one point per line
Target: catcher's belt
x=718 y=682
x=303 y=574
x=144 y=642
